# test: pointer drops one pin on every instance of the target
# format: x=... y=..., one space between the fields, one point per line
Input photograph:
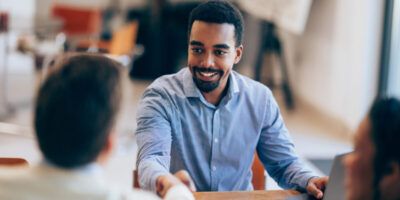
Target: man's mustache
x=207 y=70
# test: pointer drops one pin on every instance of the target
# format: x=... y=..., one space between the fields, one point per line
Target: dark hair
x=384 y=117
x=218 y=12
x=76 y=109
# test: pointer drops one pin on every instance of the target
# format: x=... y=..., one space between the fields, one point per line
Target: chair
x=76 y=23
x=258 y=179
x=13 y=162
x=122 y=41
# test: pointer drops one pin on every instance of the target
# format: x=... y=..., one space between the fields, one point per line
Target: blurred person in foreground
x=74 y=120
x=373 y=169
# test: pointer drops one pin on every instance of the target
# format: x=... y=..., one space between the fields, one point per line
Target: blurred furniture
x=288 y=15
x=163 y=24
x=136 y=179
x=78 y=22
x=5 y=108
x=13 y=161
x=258 y=179
x=271 y=46
x=247 y=195
x=122 y=41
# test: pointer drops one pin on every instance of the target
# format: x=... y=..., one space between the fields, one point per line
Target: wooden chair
x=257 y=168
x=122 y=41
x=13 y=162
x=258 y=179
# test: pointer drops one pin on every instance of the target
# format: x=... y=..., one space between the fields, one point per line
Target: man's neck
x=214 y=97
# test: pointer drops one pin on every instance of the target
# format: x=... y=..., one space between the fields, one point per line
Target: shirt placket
x=214 y=150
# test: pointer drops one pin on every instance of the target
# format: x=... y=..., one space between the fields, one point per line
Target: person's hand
x=316 y=186
x=165 y=182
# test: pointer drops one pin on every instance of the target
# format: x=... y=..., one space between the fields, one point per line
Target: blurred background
x=325 y=60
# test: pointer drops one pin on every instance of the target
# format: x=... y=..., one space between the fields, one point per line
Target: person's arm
x=154 y=143
x=153 y=136
x=276 y=151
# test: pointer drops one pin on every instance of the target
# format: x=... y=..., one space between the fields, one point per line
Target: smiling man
x=202 y=125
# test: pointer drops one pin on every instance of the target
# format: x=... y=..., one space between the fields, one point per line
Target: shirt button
x=214 y=168
x=216 y=140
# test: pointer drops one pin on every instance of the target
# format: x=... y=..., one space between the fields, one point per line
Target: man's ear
x=106 y=152
x=239 y=53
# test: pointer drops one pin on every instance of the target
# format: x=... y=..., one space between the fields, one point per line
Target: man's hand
x=316 y=186
x=164 y=183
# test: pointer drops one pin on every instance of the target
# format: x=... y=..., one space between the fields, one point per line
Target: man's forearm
x=149 y=170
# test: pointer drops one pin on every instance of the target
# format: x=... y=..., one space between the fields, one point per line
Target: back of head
x=76 y=109
x=385 y=133
x=219 y=12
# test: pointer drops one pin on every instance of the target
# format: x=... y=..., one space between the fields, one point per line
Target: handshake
x=165 y=182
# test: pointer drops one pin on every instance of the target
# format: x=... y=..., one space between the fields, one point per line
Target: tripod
x=270 y=44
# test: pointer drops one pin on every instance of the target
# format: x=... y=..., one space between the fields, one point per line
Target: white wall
x=21 y=17
x=334 y=64
x=394 y=71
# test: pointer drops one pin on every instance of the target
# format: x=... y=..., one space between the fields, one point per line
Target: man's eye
x=219 y=52
x=197 y=50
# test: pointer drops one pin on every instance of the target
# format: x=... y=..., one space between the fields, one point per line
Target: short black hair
x=218 y=12
x=76 y=109
x=384 y=118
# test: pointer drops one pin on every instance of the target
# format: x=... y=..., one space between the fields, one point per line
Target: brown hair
x=76 y=109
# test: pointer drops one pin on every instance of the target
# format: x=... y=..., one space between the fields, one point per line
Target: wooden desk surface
x=251 y=195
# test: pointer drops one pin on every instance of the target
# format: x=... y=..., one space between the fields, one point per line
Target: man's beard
x=206 y=86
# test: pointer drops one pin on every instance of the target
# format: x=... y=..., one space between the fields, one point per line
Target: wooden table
x=246 y=195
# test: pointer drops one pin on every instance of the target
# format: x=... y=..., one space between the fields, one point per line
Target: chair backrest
x=258 y=179
x=135 y=179
x=123 y=40
x=77 y=20
x=13 y=161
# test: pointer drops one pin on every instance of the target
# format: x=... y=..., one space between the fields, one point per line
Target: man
x=373 y=169
x=209 y=120
x=76 y=110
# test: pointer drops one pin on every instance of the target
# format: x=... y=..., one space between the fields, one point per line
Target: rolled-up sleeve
x=277 y=153
x=153 y=136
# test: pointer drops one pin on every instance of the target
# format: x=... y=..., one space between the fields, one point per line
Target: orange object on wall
x=77 y=20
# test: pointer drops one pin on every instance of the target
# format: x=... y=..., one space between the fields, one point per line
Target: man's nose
x=208 y=61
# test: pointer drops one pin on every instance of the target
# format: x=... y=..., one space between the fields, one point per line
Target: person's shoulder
x=14 y=180
x=248 y=85
x=171 y=85
x=12 y=173
x=169 y=81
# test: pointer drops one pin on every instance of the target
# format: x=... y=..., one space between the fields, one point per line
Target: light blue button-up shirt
x=178 y=129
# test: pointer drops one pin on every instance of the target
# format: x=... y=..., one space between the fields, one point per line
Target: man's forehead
x=216 y=33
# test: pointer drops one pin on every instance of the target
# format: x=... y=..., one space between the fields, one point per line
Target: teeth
x=208 y=74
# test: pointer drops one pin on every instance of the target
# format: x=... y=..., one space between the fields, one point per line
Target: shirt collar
x=189 y=86
x=191 y=89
